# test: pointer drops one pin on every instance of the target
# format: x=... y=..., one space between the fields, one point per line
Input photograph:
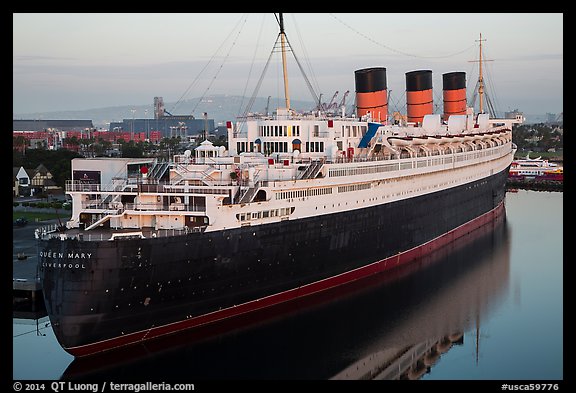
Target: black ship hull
x=106 y=294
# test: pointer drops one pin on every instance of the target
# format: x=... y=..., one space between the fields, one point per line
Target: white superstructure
x=287 y=168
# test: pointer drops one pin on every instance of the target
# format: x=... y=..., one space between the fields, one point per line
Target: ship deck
x=101 y=234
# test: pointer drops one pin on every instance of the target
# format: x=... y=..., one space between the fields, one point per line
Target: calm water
x=489 y=307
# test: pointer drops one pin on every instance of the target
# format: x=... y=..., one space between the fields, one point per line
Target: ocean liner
x=298 y=203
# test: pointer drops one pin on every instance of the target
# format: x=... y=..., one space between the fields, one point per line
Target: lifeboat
x=420 y=140
x=417 y=371
x=455 y=337
x=431 y=357
x=400 y=141
x=448 y=139
x=487 y=135
x=443 y=346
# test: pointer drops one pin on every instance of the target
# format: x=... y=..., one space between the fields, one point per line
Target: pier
x=26 y=285
x=536 y=185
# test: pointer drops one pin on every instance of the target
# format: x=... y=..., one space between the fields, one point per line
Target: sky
x=69 y=61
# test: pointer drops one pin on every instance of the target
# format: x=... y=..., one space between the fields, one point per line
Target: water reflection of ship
x=418 y=342
x=374 y=325
x=26 y=307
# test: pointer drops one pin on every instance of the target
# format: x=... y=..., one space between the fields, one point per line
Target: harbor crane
x=343 y=101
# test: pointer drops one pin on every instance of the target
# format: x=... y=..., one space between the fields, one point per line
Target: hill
x=221 y=108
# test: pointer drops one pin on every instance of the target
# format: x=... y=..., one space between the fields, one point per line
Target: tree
x=19 y=142
x=132 y=150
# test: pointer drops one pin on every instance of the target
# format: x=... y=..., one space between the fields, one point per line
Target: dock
x=25 y=280
x=536 y=185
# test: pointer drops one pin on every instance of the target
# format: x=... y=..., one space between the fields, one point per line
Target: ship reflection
x=24 y=307
x=391 y=326
x=453 y=297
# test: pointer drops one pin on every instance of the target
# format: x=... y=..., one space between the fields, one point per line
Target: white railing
x=51 y=232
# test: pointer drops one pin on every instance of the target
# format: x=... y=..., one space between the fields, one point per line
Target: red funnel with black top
x=454 y=85
x=419 y=100
x=371 y=93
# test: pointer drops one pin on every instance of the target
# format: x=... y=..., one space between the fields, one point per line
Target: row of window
x=355 y=187
x=529 y=172
x=279 y=147
x=278 y=130
x=304 y=193
x=294 y=130
x=353 y=131
x=314 y=147
x=284 y=211
x=275 y=147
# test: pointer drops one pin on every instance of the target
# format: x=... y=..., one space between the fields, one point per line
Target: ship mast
x=480 y=83
x=481 y=79
x=284 y=68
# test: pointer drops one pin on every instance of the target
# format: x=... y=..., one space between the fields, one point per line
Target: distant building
x=164 y=123
x=165 y=127
x=51 y=125
x=513 y=114
x=48 y=134
x=550 y=117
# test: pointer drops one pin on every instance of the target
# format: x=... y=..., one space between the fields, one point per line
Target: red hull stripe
x=281 y=297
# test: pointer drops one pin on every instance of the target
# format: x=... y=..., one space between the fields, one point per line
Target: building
x=165 y=127
x=49 y=134
x=51 y=125
x=164 y=124
x=43 y=181
x=30 y=182
x=21 y=178
x=513 y=114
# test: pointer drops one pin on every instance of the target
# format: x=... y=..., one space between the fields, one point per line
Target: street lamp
x=132 y=136
x=147 y=131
